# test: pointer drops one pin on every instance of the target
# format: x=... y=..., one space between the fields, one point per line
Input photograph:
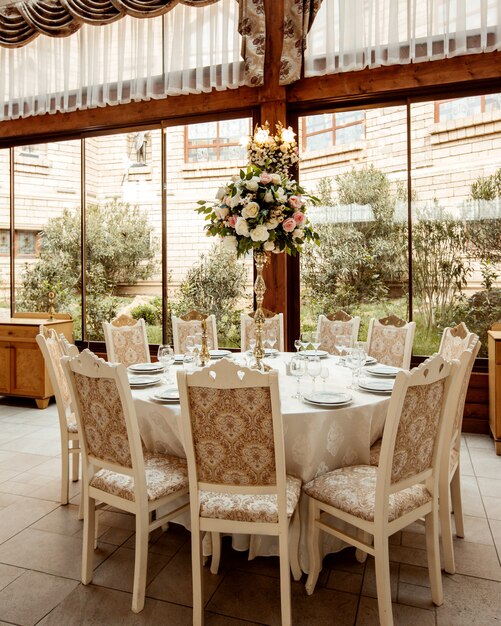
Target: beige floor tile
x=213 y=619
x=474 y=559
x=412 y=556
x=345 y=581
x=63 y=520
x=21 y=514
x=495 y=526
x=9 y=574
x=476 y=530
x=414 y=575
x=466 y=464
x=369 y=584
x=471 y=498
x=403 y=615
x=469 y=602
x=478 y=441
x=490 y=487
x=415 y=595
x=31 y=596
x=20 y=461
x=485 y=463
x=492 y=507
x=99 y=606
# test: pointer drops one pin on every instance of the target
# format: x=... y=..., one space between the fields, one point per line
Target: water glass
x=343 y=346
x=297 y=344
x=305 y=340
x=297 y=368
x=314 y=367
x=324 y=375
x=315 y=341
x=190 y=362
x=189 y=343
x=355 y=361
x=166 y=357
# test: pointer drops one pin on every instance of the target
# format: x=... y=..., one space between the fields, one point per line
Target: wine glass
x=298 y=369
x=314 y=367
x=355 y=360
x=297 y=344
x=197 y=342
x=305 y=340
x=166 y=357
x=272 y=340
x=315 y=341
x=190 y=362
x=189 y=344
x=343 y=345
x=324 y=375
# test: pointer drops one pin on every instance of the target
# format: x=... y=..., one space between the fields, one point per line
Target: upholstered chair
x=379 y=501
x=234 y=441
x=339 y=324
x=189 y=324
x=390 y=339
x=116 y=471
x=50 y=346
x=126 y=341
x=273 y=323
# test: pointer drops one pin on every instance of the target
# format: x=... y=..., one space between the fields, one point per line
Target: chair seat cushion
x=248 y=508
x=353 y=490
x=164 y=475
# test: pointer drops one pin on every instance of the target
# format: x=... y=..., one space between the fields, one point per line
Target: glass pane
x=234 y=131
x=493 y=102
x=459 y=108
x=319 y=142
x=47 y=228
x=201 y=274
x=4 y=234
x=123 y=225
x=314 y=123
x=349 y=134
x=202 y=133
x=456 y=229
x=233 y=152
x=202 y=154
x=361 y=265
x=347 y=117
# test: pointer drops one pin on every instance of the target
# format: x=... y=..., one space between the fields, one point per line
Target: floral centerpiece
x=262 y=208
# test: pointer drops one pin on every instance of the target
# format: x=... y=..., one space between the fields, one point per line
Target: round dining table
x=318 y=439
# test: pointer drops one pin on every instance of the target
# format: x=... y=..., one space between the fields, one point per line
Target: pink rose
x=289 y=225
x=295 y=202
x=232 y=220
x=265 y=178
x=299 y=218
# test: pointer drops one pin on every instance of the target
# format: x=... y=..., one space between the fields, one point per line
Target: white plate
x=178 y=358
x=370 y=360
x=145 y=367
x=377 y=386
x=143 y=381
x=382 y=370
x=167 y=395
x=328 y=406
x=329 y=398
x=320 y=353
x=270 y=352
x=218 y=354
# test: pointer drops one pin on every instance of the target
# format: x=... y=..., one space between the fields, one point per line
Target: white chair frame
x=410 y=327
x=246 y=319
x=354 y=322
x=375 y=534
x=225 y=375
x=91 y=366
x=177 y=322
x=115 y=326
x=70 y=442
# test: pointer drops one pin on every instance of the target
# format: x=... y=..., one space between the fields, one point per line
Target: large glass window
x=201 y=274
x=217 y=141
x=361 y=264
x=47 y=228
x=124 y=230
x=323 y=131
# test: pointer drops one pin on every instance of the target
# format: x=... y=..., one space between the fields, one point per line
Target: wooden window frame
x=218 y=144
x=332 y=129
x=440 y=102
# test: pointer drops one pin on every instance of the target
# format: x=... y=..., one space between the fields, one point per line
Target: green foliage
x=487 y=188
x=481 y=311
x=216 y=285
x=118 y=251
x=150 y=312
x=367 y=186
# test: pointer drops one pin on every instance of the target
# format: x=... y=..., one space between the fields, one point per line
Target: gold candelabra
x=260 y=258
x=204 y=351
x=51 y=297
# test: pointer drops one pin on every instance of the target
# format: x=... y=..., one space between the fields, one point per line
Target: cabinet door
x=5 y=361
x=29 y=370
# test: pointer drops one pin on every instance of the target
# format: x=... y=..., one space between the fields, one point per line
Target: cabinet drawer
x=18 y=332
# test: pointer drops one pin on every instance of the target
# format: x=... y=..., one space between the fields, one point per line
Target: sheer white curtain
x=188 y=50
x=354 y=34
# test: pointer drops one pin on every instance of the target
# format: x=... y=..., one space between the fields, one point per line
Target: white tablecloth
x=317 y=440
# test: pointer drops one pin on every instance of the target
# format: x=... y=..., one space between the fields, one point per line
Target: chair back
x=455 y=341
x=415 y=428
x=273 y=323
x=390 y=339
x=105 y=416
x=189 y=324
x=126 y=341
x=339 y=324
x=233 y=432
x=50 y=346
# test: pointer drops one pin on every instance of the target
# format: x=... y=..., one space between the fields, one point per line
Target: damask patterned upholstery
x=103 y=419
x=353 y=490
x=164 y=475
x=56 y=353
x=248 y=508
x=375 y=452
x=185 y=329
x=387 y=345
x=129 y=345
x=330 y=330
x=453 y=345
x=233 y=435
x=271 y=326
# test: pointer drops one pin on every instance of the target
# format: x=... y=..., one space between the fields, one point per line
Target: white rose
x=221 y=212
x=268 y=196
x=281 y=195
x=250 y=210
x=221 y=192
x=252 y=184
x=275 y=179
x=271 y=223
x=230 y=243
x=235 y=177
x=269 y=246
x=235 y=200
x=241 y=227
x=297 y=234
x=260 y=233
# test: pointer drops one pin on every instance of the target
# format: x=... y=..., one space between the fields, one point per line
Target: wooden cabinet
x=494 y=343
x=22 y=367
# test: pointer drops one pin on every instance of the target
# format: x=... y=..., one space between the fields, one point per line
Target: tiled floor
x=40 y=549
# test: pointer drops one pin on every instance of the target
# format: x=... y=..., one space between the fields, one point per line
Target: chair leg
x=65 y=474
x=88 y=539
x=285 y=580
x=216 y=552
x=446 y=528
x=140 y=562
x=383 y=584
x=433 y=555
x=75 y=463
x=457 y=505
x=295 y=530
x=314 y=554
x=197 y=575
